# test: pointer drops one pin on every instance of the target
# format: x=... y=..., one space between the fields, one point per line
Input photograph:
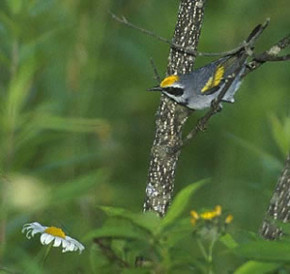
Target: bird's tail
x=256 y=32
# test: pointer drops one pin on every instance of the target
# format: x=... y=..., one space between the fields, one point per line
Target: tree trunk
x=279 y=208
x=170 y=116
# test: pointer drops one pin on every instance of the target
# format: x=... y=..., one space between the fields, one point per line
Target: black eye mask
x=173 y=91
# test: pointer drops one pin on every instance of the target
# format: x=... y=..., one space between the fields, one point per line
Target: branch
x=279 y=208
x=189 y=50
x=270 y=55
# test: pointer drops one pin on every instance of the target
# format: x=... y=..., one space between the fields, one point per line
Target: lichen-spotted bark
x=279 y=208
x=170 y=116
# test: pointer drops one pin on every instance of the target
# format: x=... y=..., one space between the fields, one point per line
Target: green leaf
x=136 y=271
x=181 y=229
x=8 y=23
x=281 y=133
x=75 y=188
x=148 y=221
x=228 y=241
x=15 y=6
x=266 y=251
x=254 y=267
x=80 y=125
x=18 y=93
x=180 y=202
x=116 y=232
x=99 y=262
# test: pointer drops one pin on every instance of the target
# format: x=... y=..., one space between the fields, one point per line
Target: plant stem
x=207 y=255
x=46 y=253
x=202 y=249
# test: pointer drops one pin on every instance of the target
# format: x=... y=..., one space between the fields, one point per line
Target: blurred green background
x=77 y=123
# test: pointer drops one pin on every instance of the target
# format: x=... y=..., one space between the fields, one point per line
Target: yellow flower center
x=55 y=231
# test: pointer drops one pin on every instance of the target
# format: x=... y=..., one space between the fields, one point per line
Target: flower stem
x=210 y=250
x=202 y=249
x=46 y=254
x=207 y=255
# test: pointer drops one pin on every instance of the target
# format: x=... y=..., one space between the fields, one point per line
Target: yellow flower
x=208 y=215
x=194 y=214
x=229 y=219
x=218 y=210
x=194 y=217
x=52 y=234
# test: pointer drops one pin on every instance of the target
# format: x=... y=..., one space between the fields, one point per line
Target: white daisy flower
x=50 y=234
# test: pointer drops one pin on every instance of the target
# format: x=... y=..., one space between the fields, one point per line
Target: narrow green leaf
x=8 y=22
x=15 y=6
x=80 y=125
x=266 y=251
x=116 y=232
x=17 y=95
x=228 y=241
x=136 y=271
x=180 y=202
x=281 y=133
x=254 y=267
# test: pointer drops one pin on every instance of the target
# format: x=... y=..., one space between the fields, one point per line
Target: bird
x=197 y=89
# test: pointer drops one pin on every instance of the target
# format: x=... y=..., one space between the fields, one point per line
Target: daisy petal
x=46 y=239
x=57 y=241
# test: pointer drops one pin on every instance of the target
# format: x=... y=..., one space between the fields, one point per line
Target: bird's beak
x=156 y=88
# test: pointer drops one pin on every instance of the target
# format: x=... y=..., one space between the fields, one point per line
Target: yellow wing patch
x=168 y=81
x=213 y=81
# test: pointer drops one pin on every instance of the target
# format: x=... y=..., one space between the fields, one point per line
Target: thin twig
x=156 y=74
x=187 y=50
x=124 y=21
x=270 y=55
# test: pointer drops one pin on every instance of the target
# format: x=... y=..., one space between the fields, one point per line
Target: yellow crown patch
x=168 y=81
x=213 y=81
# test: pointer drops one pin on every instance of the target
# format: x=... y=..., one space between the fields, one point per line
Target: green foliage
x=126 y=236
x=269 y=251
x=76 y=126
x=180 y=202
x=254 y=267
x=281 y=133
